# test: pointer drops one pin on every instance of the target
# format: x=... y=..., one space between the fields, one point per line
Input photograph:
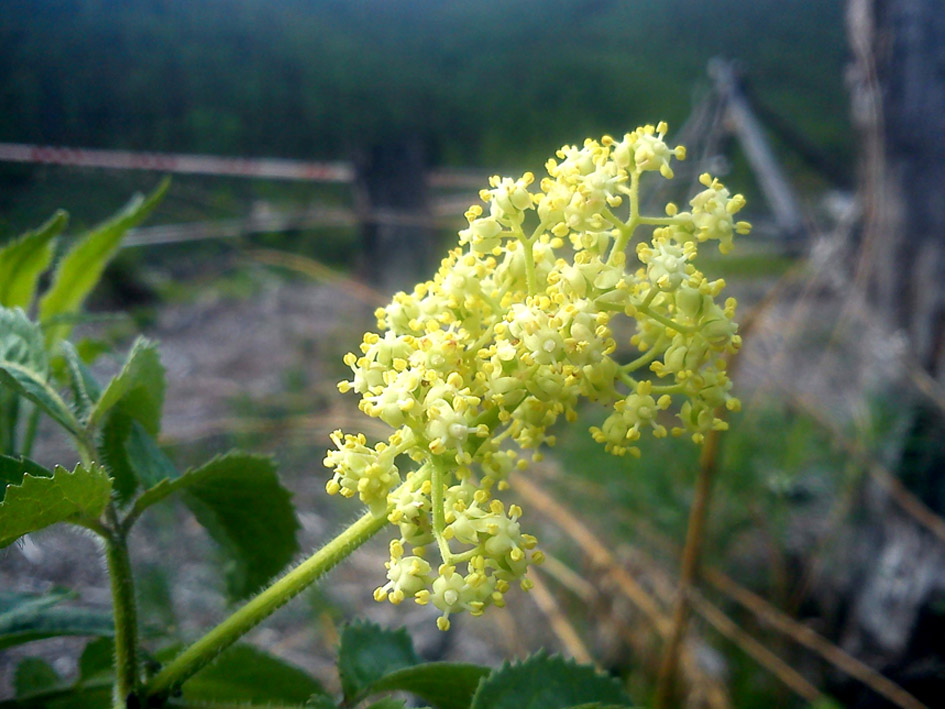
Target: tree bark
x=894 y=589
x=392 y=198
x=898 y=97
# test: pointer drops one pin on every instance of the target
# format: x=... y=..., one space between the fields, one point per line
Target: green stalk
x=439 y=517
x=32 y=423
x=634 y=198
x=126 y=617
x=262 y=606
x=9 y=405
x=530 y=277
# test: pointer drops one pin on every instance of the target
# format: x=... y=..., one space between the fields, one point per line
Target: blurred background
x=323 y=152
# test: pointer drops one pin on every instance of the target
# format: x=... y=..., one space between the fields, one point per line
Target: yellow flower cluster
x=513 y=331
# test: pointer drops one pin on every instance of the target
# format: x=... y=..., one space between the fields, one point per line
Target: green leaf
x=21 y=341
x=138 y=388
x=34 y=675
x=543 y=682
x=37 y=502
x=133 y=457
x=239 y=499
x=81 y=380
x=446 y=685
x=321 y=702
x=368 y=653
x=388 y=703
x=27 y=617
x=65 y=696
x=23 y=261
x=79 y=270
x=97 y=660
x=246 y=674
x=24 y=366
x=13 y=469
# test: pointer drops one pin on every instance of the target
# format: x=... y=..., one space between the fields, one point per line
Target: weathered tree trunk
x=898 y=91
x=393 y=200
x=895 y=590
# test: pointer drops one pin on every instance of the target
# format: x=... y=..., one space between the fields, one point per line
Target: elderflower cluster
x=472 y=368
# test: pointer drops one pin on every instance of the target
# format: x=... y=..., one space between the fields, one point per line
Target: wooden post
x=898 y=96
x=897 y=569
x=777 y=190
x=392 y=200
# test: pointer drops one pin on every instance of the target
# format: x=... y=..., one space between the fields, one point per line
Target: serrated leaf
x=138 y=389
x=24 y=366
x=34 y=675
x=85 y=389
x=368 y=653
x=28 y=617
x=543 y=682
x=13 y=469
x=239 y=500
x=37 y=502
x=446 y=685
x=81 y=268
x=23 y=261
x=132 y=455
x=246 y=674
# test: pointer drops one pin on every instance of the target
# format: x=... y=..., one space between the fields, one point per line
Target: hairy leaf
x=543 y=682
x=80 y=269
x=27 y=617
x=138 y=389
x=368 y=653
x=24 y=366
x=446 y=685
x=37 y=502
x=239 y=499
x=85 y=389
x=23 y=261
x=246 y=674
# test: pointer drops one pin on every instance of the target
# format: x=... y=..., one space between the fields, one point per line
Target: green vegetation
x=485 y=83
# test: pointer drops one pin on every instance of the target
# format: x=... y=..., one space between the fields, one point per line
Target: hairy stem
x=125 y=611
x=265 y=604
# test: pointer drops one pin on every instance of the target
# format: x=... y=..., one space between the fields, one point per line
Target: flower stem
x=265 y=604
x=126 y=616
x=530 y=277
x=625 y=233
x=665 y=684
x=439 y=517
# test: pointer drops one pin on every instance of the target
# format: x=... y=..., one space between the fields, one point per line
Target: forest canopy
x=489 y=82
